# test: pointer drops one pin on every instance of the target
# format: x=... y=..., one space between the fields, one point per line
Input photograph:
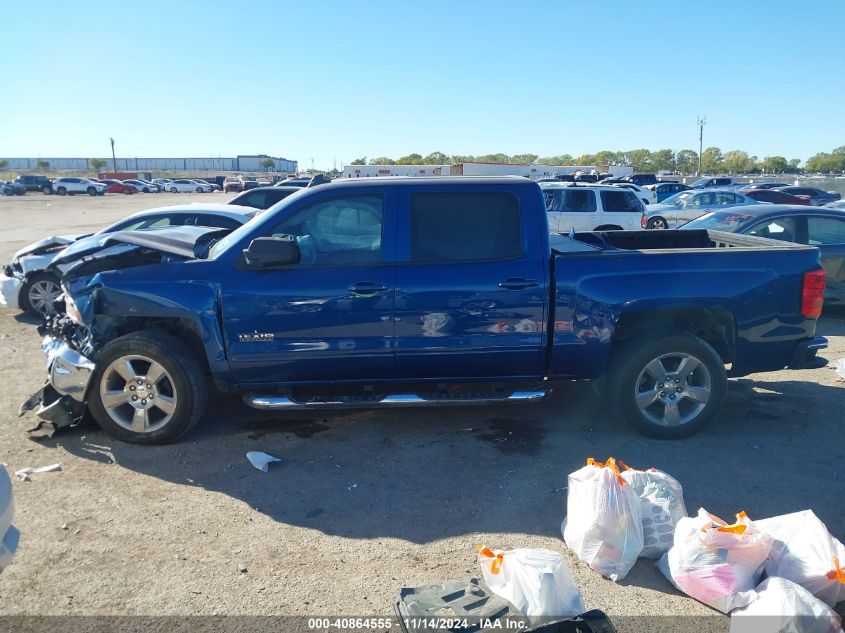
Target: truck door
x=471 y=284
x=329 y=317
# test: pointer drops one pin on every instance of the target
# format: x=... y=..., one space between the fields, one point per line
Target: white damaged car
x=27 y=284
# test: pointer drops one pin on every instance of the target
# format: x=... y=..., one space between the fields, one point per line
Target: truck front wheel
x=668 y=385
x=148 y=388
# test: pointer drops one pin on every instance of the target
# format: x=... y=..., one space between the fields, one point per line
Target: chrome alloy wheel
x=41 y=296
x=138 y=394
x=673 y=389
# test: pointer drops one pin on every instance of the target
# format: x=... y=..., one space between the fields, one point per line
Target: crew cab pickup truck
x=418 y=291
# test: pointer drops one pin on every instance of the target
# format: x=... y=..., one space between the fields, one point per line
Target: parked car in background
x=817 y=197
x=142 y=185
x=293 y=182
x=214 y=186
x=233 y=183
x=12 y=188
x=9 y=534
x=819 y=227
x=646 y=195
x=250 y=184
x=587 y=177
x=70 y=186
x=183 y=185
x=264 y=182
x=162 y=183
x=663 y=190
x=263 y=197
x=677 y=210
x=26 y=283
x=591 y=207
x=642 y=179
x=763 y=185
x=776 y=196
x=36 y=183
x=118 y=186
x=711 y=181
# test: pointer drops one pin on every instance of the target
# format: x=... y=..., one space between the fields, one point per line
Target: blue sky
x=340 y=80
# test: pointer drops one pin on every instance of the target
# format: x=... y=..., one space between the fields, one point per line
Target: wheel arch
x=608 y=227
x=716 y=326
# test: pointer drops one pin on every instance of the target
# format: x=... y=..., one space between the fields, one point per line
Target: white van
x=591 y=207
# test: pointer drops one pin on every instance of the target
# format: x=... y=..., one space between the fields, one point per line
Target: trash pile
x=787 y=571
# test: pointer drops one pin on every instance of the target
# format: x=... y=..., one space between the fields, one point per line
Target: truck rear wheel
x=148 y=388
x=668 y=385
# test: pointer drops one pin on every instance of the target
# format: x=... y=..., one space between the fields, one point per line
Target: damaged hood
x=48 y=244
x=188 y=242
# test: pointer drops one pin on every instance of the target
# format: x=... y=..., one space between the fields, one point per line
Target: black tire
x=199 y=189
x=46 y=191
x=91 y=191
x=657 y=223
x=628 y=377
x=61 y=191
x=188 y=381
x=173 y=190
x=8 y=192
x=31 y=280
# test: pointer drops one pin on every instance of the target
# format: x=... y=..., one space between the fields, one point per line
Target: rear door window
x=723 y=198
x=578 y=201
x=455 y=227
x=620 y=202
x=825 y=231
x=783 y=229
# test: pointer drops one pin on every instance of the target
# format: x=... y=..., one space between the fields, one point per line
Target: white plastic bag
x=783 y=606
x=716 y=563
x=662 y=505
x=604 y=523
x=804 y=552
x=535 y=581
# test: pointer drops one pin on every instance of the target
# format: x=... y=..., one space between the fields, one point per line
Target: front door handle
x=517 y=283
x=367 y=288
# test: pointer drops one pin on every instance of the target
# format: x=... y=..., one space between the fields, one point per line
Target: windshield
x=679 y=199
x=701 y=182
x=720 y=221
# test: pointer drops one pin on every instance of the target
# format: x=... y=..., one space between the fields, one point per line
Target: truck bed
x=663 y=240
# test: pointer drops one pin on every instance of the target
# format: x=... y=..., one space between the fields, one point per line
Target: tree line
x=684 y=161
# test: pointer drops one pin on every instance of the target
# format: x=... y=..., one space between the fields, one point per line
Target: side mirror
x=270 y=252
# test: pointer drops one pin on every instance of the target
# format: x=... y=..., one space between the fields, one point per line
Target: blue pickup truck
x=420 y=291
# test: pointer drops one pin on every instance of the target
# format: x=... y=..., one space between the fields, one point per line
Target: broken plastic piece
x=24 y=473
x=261 y=460
x=840 y=369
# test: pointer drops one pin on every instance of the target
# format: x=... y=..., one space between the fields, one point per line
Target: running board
x=275 y=403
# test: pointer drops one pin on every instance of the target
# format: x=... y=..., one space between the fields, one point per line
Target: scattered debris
x=261 y=460
x=242 y=569
x=24 y=473
x=840 y=370
x=353 y=486
x=469 y=428
x=64 y=526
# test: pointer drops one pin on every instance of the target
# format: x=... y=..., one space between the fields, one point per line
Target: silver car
x=686 y=206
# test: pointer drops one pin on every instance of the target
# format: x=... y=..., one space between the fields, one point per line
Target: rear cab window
x=624 y=201
x=464 y=227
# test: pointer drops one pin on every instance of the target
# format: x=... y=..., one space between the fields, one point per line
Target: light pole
x=701 y=122
x=113 y=159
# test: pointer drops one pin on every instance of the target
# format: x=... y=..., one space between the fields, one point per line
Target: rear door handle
x=517 y=283
x=366 y=288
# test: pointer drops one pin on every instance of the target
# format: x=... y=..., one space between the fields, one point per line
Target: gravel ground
x=366 y=502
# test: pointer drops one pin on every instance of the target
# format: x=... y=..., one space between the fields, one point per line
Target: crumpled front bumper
x=62 y=399
x=10 y=290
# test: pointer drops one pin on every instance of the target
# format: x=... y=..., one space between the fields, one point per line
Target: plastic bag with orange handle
x=804 y=552
x=782 y=605
x=536 y=581
x=603 y=523
x=662 y=504
x=716 y=563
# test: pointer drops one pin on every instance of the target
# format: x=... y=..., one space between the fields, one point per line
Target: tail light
x=643 y=221
x=812 y=294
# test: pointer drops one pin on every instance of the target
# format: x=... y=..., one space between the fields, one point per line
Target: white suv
x=65 y=186
x=592 y=208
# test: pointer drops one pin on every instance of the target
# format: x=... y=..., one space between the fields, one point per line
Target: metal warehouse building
x=242 y=162
x=479 y=169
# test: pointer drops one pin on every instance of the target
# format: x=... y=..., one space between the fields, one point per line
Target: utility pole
x=113 y=159
x=701 y=123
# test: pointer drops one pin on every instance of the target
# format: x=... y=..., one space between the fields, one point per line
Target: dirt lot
x=366 y=502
